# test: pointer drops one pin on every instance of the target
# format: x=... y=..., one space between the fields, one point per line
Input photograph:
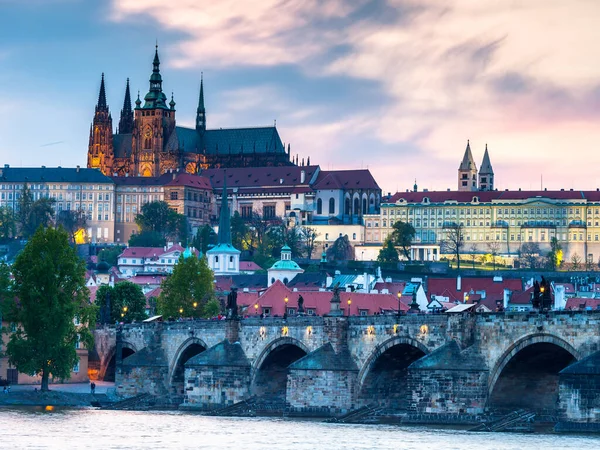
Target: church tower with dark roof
x=126 y=120
x=486 y=173
x=153 y=124
x=467 y=172
x=100 y=148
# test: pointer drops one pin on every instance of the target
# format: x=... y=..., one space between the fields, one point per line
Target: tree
x=127 y=303
x=49 y=283
x=205 y=237
x=74 y=222
x=529 y=255
x=555 y=256
x=158 y=218
x=310 y=240
x=473 y=253
x=341 y=250
x=402 y=236
x=110 y=255
x=575 y=262
x=33 y=214
x=239 y=231
x=147 y=239
x=188 y=290
x=7 y=224
x=453 y=241
x=388 y=254
x=494 y=248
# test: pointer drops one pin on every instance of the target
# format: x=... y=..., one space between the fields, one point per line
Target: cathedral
x=469 y=179
x=148 y=142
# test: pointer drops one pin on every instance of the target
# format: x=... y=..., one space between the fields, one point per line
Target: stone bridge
x=428 y=365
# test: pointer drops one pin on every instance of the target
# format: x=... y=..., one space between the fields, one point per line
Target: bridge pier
x=324 y=382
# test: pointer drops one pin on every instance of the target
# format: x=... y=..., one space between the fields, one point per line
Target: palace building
x=148 y=142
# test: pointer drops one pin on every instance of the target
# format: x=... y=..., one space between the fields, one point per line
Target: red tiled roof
x=392 y=287
x=93 y=290
x=489 y=196
x=582 y=303
x=274 y=297
x=522 y=298
x=345 y=179
x=245 y=178
x=249 y=265
x=188 y=179
x=446 y=287
x=146 y=279
x=154 y=292
x=146 y=252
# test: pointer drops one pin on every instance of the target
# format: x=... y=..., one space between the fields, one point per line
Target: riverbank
x=76 y=395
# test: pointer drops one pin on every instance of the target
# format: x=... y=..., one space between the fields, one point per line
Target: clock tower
x=153 y=124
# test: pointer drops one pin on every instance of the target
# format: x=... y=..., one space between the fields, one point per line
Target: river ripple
x=85 y=429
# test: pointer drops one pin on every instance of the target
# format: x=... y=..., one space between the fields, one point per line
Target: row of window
x=487 y=211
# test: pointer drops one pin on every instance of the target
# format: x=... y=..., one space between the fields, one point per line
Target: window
x=268 y=211
x=246 y=211
x=331 y=205
x=76 y=367
x=174 y=195
x=319 y=206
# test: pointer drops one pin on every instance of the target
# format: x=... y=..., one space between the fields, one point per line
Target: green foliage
x=402 y=236
x=72 y=221
x=555 y=256
x=157 y=217
x=312 y=268
x=341 y=250
x=388 y=254
x=239 y=231
x=211 y=309
x=110 y=255
x=7 y=224
x=147 y=239
x=188 y=290
x=33 y=214
x=205 y=237
x=575 y=262
x=127 y=303
x=49 y=282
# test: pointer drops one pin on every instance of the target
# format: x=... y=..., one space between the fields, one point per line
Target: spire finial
x=126 y=120
x=102 y=96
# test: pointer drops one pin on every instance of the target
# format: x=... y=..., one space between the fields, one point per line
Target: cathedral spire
x=467 y=171
x=201 y=111
x=486 y=173
x=155 y=98
x=101 y=106
x=224 y=219
x=126 y=120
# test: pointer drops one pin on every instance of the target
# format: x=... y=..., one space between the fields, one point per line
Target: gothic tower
x=100 y=149
x=153 y=124
x=126 y=120
x=201 y=111
x=467 y=172
x=486 y=173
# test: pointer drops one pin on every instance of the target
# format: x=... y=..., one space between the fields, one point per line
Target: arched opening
x=319 y=206
x=527 y=378
x=109 y=374
x=347 y=206
x=386 y=379
x=178 y=374
x=270 y=380
x=331 y=205
x=364 y=205
x=356 y=209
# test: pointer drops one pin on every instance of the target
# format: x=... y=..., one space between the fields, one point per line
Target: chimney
x=458 y=283
x=174 y=175
x=77 y=169
x=506 y=298
x=302 y=176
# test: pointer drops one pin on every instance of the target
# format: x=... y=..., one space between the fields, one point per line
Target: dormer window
x=475 y=199
x=425 y=199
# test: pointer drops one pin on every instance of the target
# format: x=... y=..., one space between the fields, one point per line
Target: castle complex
x=148 y=142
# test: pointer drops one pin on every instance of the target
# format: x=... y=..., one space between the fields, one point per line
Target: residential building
x=72 y=189
x=224 y=258
x=149 y=259
x=285 y=269
x=191 y=196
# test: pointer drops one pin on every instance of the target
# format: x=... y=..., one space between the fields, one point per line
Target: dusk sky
x=397 y=86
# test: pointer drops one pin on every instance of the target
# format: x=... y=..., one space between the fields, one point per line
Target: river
x=34 y=428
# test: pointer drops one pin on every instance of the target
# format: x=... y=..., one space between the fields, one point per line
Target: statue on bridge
x=300 y=305
x=232 y=309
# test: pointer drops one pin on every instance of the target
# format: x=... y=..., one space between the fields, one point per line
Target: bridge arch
x=269 y=374
x=108 y=366
x=384 y=374
x=526 y=375
x=187 y=350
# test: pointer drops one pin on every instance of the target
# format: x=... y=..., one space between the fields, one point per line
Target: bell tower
x=100 y=148
x=467 y=172
x=153 y=124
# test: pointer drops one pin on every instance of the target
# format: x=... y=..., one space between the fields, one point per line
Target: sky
x=396 y=86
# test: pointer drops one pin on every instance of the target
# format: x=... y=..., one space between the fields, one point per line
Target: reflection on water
x=66 y=428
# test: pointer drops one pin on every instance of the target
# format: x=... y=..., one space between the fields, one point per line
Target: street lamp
x=286 y=302
x=180 y=311
x=125 y=308
x=195 y=304
x=349 y=303
x=256 y=308
x=399 y=295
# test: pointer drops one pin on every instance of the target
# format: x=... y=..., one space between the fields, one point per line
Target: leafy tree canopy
x=187 y=292
x=110 y=255
x=157 y=217
x=147 y=239
x=402 y=236
x=49 y=283
x=388 y=254
x=205 y=237
x=341 y=250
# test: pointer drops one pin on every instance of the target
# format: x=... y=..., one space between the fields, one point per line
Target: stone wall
x=209 y=387
x=132 y=381
x=320 y=392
